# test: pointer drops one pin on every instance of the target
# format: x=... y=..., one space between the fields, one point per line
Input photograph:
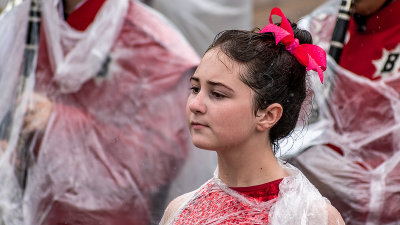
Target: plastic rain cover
x=298 y=202
x=116 y=135
x=361 y=180
x=361 y=118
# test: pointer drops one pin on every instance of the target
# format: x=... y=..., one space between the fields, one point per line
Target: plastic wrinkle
x=80 y=52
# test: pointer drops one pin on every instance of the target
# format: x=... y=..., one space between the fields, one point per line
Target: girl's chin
x=202 y=145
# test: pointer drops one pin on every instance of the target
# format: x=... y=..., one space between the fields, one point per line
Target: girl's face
x=219 y=109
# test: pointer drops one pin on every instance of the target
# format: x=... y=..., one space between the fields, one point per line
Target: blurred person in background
x=105 y=110
x=353 y=156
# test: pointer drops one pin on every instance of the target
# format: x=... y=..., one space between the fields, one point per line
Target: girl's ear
x=268 y=117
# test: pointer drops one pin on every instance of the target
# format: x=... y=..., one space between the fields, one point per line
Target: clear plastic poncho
x=116 y=135
x=298 y=202
x=352 y=148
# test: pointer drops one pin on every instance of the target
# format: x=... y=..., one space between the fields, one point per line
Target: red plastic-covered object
x=354 y=159
x=117 y=134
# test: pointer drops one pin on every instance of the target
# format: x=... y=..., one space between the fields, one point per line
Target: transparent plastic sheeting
x=361 y=118
x=115 y=139
x=298 y=202
x=201 y=20
x=363 y=179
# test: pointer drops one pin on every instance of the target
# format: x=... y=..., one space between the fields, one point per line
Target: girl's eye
x=217 y=95
x=195 y=90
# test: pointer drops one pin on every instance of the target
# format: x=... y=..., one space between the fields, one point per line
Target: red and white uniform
x=222 y=208
x=287 y=201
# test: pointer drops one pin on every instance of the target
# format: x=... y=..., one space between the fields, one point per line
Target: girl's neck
x=249 y=166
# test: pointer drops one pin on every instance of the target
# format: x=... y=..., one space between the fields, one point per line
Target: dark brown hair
x=271 y=71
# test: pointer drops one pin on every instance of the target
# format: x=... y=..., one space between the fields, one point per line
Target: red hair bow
x=309 y=55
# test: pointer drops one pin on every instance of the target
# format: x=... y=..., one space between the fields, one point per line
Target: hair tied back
x=311 y=56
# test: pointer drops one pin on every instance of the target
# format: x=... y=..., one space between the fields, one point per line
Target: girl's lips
x=197 y=125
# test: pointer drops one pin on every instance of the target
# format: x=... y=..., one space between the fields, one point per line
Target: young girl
x=246 y=95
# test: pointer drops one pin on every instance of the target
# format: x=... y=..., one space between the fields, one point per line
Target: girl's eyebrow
x=212 y=83
x=192 y=78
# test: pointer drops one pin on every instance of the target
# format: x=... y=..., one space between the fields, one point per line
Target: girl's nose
x=196 y=103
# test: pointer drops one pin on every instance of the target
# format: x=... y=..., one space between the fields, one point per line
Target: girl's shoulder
x=174 y=206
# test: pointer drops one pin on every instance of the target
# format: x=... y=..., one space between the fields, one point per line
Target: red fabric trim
x=269 y=185
x=83 y=16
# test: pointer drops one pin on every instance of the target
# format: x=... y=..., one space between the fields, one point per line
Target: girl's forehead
x=216 y=62
x=217 y=68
